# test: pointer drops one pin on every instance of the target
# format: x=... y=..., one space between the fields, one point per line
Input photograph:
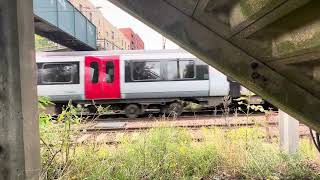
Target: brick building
x=134 y=39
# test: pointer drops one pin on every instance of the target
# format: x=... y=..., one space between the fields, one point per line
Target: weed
x=56 y=140
x=169 y=152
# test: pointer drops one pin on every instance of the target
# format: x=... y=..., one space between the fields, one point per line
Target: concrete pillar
x=19 y=131
x=289 y=132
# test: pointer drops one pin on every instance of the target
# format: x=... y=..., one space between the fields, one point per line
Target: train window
x=94 y=72
x=202 y=72
x=127 y=72
x=186 y=69
x=146 y=70
x=172 y=70
x=109 y=72
x=39 y=67
x=58 y=73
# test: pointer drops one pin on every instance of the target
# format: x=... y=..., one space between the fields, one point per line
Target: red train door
x=92 y=78
x=111 y=77
x=102 y=77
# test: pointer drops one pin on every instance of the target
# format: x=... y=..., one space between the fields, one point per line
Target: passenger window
x=146 y=70
x=94 y=72
x=172 y=70
x=109 y=72
x=202 y=72
x=128 y=72
x=58 y=73
x=186 y=69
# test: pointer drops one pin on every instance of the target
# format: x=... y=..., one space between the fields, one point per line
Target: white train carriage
x=133 y=81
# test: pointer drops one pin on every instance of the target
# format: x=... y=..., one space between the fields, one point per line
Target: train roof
x=124 y=55
x=114 y=53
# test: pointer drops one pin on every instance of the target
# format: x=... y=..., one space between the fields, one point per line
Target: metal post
x=19 y=135
x=289 y=132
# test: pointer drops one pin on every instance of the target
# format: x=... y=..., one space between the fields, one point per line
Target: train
x=132 y=82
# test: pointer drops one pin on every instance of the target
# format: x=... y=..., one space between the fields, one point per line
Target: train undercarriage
x=133 y=108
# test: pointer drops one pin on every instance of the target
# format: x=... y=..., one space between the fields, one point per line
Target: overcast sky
x=120 y=19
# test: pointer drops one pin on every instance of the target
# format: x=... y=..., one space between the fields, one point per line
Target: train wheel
x=132 y=111
x=92 y=109
x=174 y=109
x=58 y=109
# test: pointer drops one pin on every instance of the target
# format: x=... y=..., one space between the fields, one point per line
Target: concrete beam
x=187 y=7
x=226 y=57
x=312 y=55
x=217 y=16
x=19 y=132
x=300 y=74
x=267 y=16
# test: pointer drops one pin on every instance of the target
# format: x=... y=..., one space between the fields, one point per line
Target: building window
x=112 y=35
x=94 y=72
x=109 y=72
x=146 y=70
x=80 y=7
x=58 y=73
x=107 y=33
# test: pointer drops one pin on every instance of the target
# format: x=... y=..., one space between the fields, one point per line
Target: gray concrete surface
x=19 y=131
x=245 y=50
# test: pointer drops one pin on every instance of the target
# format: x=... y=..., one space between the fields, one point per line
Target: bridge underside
x=55 y=34
x=61 y=22
x=270 y=46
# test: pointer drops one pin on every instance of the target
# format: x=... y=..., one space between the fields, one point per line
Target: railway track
x=110 y=132
x=183 y=121
x=114 y=136
x=154 y=117
x=124 y=126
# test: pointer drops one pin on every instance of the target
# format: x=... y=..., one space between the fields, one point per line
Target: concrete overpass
x=270 y=46
x=61 y=22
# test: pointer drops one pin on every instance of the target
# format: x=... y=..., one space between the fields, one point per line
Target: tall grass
x=172 y=153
